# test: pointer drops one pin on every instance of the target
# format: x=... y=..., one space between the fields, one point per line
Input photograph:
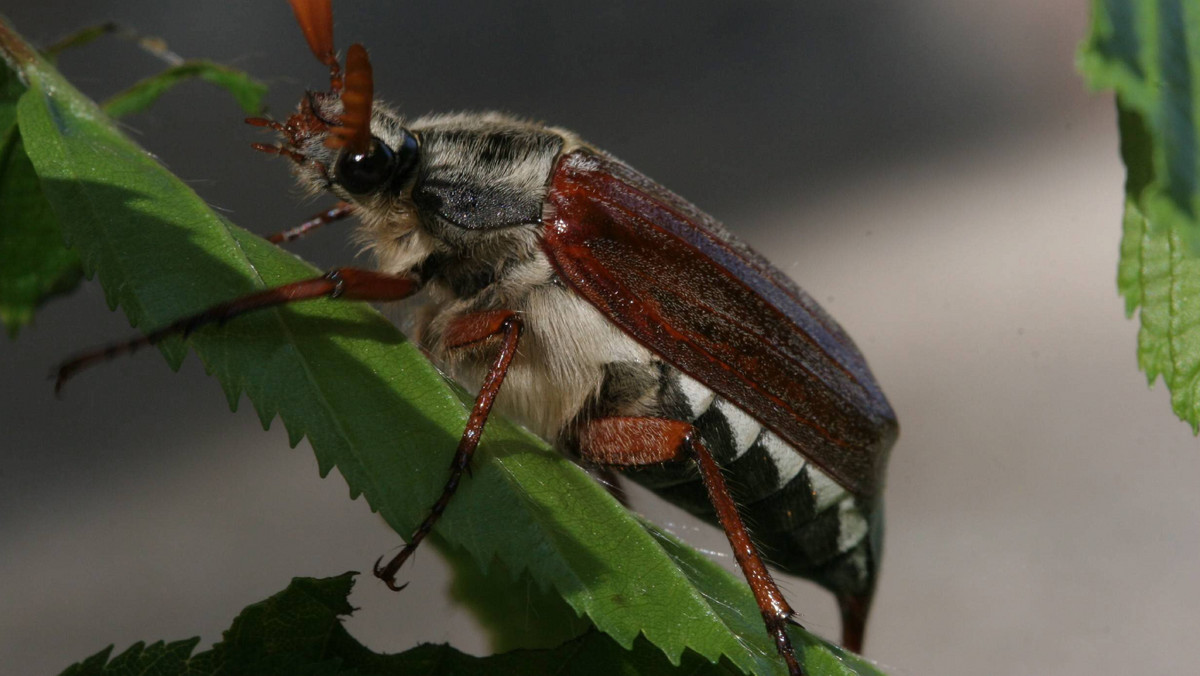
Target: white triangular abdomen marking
x=788 y=463
x=699 y=397
x=852 y=525
x=825 y=490
x=744 y=428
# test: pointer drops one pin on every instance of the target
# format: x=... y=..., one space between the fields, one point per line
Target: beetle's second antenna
x=354 y=129
x=354 y=132
x=316 y=20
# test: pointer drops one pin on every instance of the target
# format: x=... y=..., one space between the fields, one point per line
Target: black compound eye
x=406 y=157
x=361 y=173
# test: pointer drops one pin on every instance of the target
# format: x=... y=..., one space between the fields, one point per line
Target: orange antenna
x=354 y=132
x=316 y=20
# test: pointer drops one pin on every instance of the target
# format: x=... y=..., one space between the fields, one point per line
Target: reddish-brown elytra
x=651 y=339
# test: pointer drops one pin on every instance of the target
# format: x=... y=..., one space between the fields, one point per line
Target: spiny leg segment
x=464 y=332
x=336 y=213
x=347 y=283
x=632 y=442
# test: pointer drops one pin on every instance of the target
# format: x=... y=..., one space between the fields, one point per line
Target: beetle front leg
x=465 y=331
x=632 y=442
x=343 y=283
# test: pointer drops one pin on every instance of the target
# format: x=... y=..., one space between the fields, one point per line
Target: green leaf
x=34 y=263
x=339 y=374
x=298 y=631
x=514 y=609
x=1140 y=48
x=247 y=91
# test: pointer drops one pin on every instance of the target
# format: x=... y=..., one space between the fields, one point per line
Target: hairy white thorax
x=559 y=365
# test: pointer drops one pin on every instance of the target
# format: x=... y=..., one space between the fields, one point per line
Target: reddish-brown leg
x=641 y=441
x=347 y=283
x=466 y=331
x=338 y=212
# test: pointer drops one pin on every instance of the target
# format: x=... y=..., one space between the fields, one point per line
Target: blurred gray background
x=932 y=171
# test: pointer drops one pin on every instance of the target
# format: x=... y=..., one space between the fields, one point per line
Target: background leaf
x=299 y=631
x=514 y=610
x=1145 y=51
x=246 y=90
x=341 y=375
x=80 y=38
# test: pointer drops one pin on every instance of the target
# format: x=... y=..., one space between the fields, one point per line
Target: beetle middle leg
x=631 y=442
x=465 y=331
x=336 y=213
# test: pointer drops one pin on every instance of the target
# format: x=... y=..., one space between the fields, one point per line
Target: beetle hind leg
x=630 y=442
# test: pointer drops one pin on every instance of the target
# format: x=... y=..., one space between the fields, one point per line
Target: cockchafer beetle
x=650 y=338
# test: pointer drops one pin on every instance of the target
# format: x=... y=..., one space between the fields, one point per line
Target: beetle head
x=484 y=182
x=340 y=139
